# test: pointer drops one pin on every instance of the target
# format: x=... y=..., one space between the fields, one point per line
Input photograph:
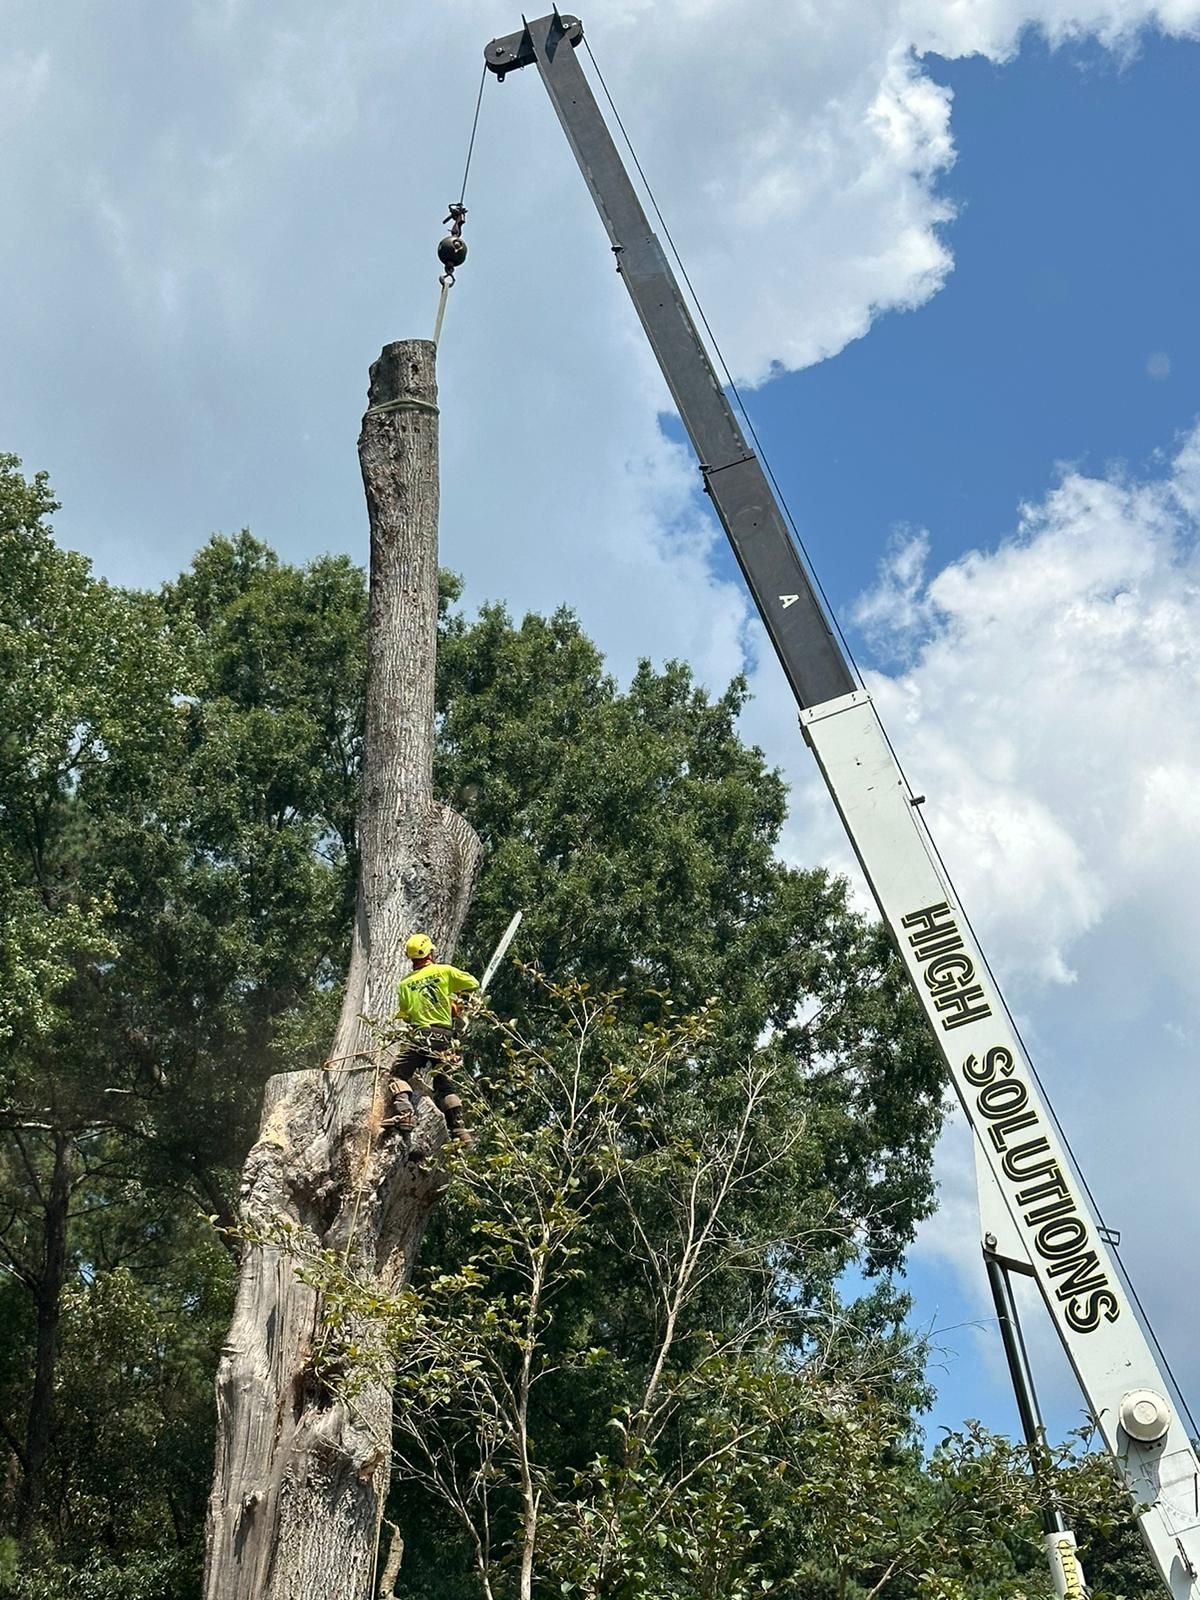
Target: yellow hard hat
x=418 y=947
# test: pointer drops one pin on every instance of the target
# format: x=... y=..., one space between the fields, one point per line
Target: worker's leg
x=445 y=1095
x=446 y=1099
x=400 y=1112
x=408 y=1064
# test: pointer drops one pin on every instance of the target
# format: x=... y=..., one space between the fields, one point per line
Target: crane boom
x=1038 y=1217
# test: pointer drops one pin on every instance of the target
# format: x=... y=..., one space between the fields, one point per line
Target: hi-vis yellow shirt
x=423 y=998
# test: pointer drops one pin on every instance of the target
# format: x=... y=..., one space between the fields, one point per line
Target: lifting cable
x=1111 y=1237
x=452 y=251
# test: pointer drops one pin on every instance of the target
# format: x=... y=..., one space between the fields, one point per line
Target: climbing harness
x=452 y=251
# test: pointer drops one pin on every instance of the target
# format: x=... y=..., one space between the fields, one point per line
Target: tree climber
x=425 y=1001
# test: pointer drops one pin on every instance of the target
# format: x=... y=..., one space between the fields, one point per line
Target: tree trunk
x=48 y=1301
x=300 y=1475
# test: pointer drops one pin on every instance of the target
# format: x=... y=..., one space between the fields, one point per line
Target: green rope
x=403 y=405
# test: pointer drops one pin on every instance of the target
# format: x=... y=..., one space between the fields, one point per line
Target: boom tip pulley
x=516 y=49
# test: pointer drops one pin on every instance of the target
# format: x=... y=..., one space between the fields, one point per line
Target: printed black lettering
x=996 y=1057
x=930 y=946
x=999 y=1131
x=948 y=968
x=1021 y=1161
x=928 y=919
x=1043 y=1191
x=976 y=1074
x=1045 y=1203
x=947 y=972
x=1063 y=1238
x=1084 y=1314
x=1078 y=1273
x=967 y=1005
x=1057 y=1208
x=1010 y=1094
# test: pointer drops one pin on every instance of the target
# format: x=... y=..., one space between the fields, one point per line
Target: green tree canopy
x=178 y=776
x=639 y=833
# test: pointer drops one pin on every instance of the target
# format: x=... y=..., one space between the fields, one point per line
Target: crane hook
x=452 y=251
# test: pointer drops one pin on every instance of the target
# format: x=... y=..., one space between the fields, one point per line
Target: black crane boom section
x=808 y=650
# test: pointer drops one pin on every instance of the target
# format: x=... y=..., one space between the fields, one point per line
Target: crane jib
x=1039 y=1221
x=734 y=480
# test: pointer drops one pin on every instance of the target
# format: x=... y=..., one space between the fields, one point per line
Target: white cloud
x=994 y=27
x=1046 y=709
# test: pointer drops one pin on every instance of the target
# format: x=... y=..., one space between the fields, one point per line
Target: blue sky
x=967 y=256
x=1075 y=242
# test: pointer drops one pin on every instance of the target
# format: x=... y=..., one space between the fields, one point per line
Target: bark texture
x=301 y=1476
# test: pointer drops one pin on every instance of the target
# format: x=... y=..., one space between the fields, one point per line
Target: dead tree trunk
x=300 y=1474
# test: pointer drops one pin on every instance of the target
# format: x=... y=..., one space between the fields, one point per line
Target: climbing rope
x=452 y=251
x=356 y=1055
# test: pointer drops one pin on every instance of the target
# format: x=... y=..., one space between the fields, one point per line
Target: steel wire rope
x=471 y=142
x=724 y=365
x=459 y=206
x=1126 y=1276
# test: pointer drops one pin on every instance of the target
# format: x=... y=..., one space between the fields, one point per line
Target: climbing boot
x=402 y=1114
x=451 y=1108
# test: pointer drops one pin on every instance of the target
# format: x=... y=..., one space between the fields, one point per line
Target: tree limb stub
x=392 y=1563
x=301 y=1476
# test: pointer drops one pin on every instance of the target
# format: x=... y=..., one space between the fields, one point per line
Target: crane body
x=1037 y=1219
